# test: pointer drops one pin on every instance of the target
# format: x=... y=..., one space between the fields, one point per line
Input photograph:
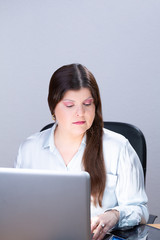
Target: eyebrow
x=89 y=98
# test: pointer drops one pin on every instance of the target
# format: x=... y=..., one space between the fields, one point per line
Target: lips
x=79 y=122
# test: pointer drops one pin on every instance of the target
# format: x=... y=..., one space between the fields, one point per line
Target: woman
x=77 y=142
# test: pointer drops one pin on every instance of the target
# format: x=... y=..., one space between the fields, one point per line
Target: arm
x=131 y=208
x=130 y=192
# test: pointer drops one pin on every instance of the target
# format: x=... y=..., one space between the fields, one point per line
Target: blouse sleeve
x=130 y=191
x=17 y=162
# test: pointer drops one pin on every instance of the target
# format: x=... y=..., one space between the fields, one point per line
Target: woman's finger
x=94 y=223
x=97 y=232
x=102 y=234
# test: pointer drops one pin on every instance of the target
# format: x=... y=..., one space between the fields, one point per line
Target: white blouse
x=124 y=189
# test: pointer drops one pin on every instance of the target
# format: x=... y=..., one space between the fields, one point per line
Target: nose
x=80 y=111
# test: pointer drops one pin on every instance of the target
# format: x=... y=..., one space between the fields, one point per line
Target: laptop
x=44 y=205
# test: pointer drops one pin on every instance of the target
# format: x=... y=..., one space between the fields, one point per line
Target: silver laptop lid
x=44 y=205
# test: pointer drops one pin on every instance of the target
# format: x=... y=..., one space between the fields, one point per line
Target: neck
x=66 y=138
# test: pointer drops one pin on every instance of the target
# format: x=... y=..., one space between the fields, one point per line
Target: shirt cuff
x=128 y=217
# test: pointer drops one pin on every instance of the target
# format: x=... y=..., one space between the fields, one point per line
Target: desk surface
x=152 y=231
x=155 y=225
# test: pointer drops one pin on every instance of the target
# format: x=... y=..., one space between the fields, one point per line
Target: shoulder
x=38 y=139
x=32 y=149
x=118 y=151
x=114 y=145
x=113 y=138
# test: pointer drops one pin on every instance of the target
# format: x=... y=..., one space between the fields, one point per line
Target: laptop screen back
x=38 y=205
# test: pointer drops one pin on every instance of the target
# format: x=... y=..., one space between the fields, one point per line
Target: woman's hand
x=101 y=224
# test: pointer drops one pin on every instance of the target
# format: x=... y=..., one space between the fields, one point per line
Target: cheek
x=62 y=115
x=58 y=113
x=91 y=114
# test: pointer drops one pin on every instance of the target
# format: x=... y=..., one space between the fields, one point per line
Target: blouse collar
x=49 y=141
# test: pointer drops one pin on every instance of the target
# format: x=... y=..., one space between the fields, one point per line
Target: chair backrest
x=132 y=133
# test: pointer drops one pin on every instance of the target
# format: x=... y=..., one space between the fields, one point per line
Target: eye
x=86 y=104
x=68 y=104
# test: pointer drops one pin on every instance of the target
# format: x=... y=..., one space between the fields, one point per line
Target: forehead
x=77 y=95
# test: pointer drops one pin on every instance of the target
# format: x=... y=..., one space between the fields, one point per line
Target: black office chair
x=136 y=139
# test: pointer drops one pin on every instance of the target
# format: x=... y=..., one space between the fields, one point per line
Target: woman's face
x=75 y=112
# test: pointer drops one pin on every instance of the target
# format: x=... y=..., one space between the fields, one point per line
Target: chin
x=80 y=131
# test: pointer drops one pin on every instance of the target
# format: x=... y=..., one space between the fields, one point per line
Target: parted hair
x=75 y=77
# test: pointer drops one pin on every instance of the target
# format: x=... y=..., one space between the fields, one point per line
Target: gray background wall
x=117 y=40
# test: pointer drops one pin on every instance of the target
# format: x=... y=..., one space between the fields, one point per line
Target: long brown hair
x=75 y=77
